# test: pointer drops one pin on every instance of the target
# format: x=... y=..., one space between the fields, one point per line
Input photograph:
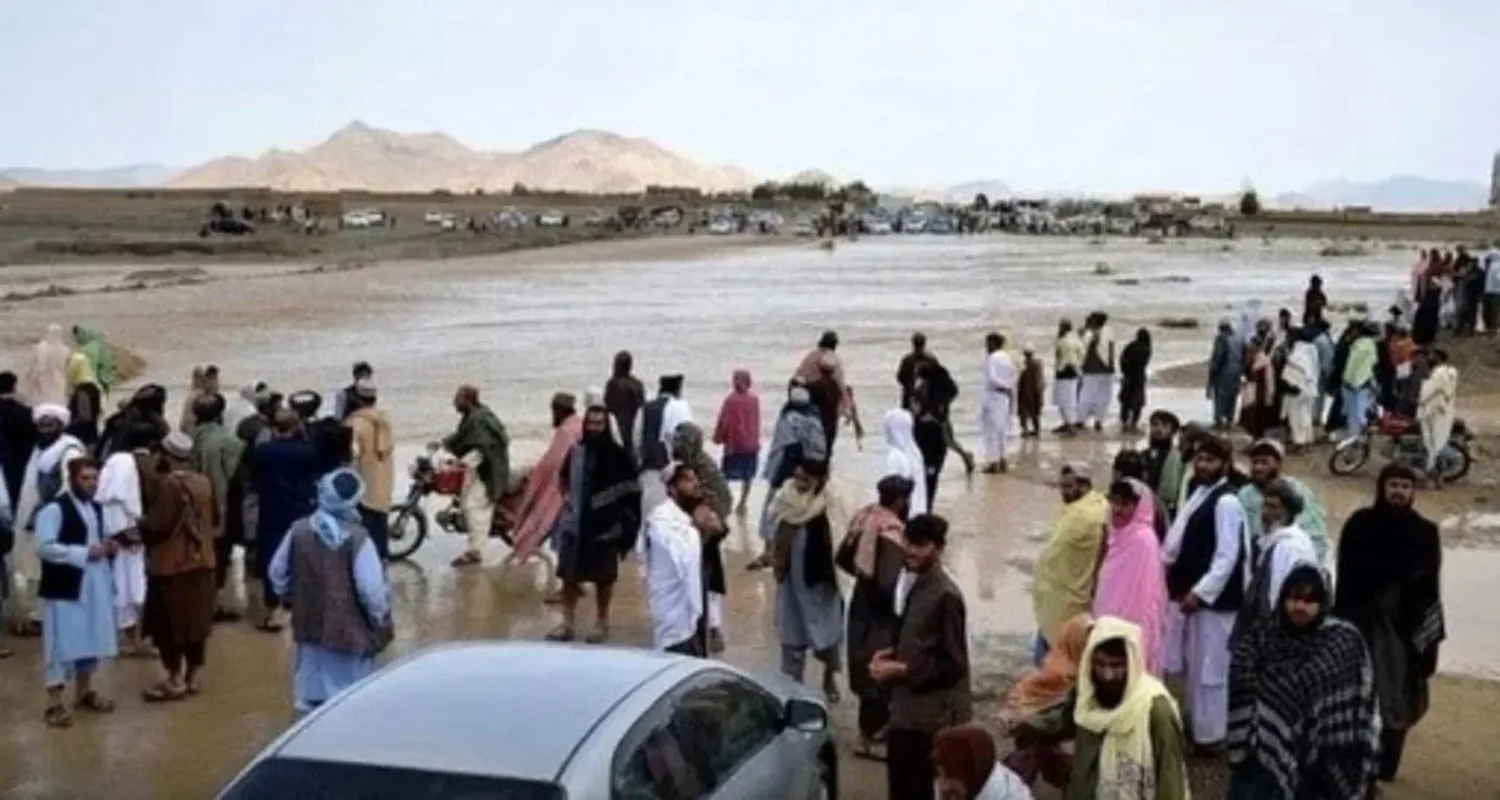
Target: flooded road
x=526 y=325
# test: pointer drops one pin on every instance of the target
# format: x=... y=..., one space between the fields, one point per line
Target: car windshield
x=280 y=778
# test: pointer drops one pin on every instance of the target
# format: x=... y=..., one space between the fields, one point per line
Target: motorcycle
x=433 y=475
x=1403 y=445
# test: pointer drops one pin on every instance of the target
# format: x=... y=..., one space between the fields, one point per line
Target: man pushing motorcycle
x=481 y=444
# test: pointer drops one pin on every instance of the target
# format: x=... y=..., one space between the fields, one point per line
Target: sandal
x=468 y=559
x=91 y=701
x=6 y=652
x=759 y=563
x=599 y=635
x=163 y=693
x=870 y=750
x=269 y=626
x=227 y=615
x=561 y=633
x=58 y=716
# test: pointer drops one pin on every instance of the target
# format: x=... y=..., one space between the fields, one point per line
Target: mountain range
x=1396 y=193
x=362 y=156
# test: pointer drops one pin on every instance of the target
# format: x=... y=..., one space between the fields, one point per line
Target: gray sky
x=1091 y=95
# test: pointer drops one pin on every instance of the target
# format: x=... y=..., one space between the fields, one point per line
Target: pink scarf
x=542 y=499
x=1132 y=584
x=738 y=428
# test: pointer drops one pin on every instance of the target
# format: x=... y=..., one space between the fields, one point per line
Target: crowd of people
x=1179 y=569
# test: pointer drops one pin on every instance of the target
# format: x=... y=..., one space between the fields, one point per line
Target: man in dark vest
x=1207 y=551
x=77 y=592
x=659 y=420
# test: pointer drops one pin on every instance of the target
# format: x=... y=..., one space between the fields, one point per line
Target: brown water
x=522 y=327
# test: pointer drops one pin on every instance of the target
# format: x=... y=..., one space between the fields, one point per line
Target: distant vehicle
x=509 y=219
x=367 y=218
x=804 y=229
x=632 y=725
x=229 y=226
x=914 y=223
x=435 y=217
x=552 y=219
x=722 y=226
x=666 y=217
x=599 y=219
x=941 y=224
x=878 y=226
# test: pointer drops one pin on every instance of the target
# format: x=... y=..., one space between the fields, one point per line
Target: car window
x=657 y=770
x=281 y=778
x=721 y=724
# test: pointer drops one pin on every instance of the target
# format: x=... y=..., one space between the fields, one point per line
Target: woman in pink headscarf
x=1132 y=582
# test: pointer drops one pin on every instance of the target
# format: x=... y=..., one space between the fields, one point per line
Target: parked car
x=552 y=219
x=366 y=218
x=538 y=721
x=723 y=226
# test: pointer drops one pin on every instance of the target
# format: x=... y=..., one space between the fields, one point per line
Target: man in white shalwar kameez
x=1098 y=371
x=1302 y=375
x=996 y=395
x=44 y=479
x=77 y=592
x=46 y=378
x=673 y=551
x=119 y=495
x=1068 y=358
x=1208 y=556
x=1437 y=405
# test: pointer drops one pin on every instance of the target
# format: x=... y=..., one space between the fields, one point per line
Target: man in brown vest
x=928 y=669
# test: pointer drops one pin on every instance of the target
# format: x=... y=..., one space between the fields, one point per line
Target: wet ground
x=526 y=325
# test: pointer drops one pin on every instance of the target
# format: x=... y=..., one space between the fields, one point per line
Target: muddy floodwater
x=524 y=326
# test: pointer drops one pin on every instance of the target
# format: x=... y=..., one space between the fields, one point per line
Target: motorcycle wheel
x=1349 y=456
x=407 y=528
x=1455 y=461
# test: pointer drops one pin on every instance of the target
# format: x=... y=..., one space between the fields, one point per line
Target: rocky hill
x=361 y=156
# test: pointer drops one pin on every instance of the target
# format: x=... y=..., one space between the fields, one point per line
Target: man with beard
x=481 y=444
x=347 y=398
x=1266 y=456
x=45 y=479
x=1163 y=458
x=599 y=524
x=78 y=617
x=1390 y=562
x=873 y=553
x=1068 y=563
x=216 y=455
x=146 y=408
x=624 y=394
x=927 y=668
x=286 y=477
x=17 y=436
x=180 y=531
x=1208 y=554
x=1126 y=730
x=673 y=571
x=711 y=516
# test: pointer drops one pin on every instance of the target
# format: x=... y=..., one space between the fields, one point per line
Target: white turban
x=51 y=411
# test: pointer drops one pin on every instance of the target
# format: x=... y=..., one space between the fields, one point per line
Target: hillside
x=109 y=178
x=361 y=156
x=1396 y=193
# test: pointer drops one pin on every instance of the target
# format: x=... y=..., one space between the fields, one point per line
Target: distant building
x=1495 y=183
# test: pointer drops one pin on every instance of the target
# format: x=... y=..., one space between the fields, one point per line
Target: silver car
x=534 y=721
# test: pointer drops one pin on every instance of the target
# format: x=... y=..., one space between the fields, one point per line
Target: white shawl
x=904 y=458
x=57 y=455
x=119 y=493
x=1301 y=370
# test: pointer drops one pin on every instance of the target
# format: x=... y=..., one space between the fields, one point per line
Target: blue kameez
x=76 y=634
x=321 y=673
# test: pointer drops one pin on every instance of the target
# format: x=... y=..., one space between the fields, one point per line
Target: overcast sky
x=1091 y=95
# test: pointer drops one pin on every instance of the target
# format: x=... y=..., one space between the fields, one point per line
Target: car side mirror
x=806 y=716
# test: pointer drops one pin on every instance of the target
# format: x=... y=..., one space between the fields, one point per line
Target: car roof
x=513 y=709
